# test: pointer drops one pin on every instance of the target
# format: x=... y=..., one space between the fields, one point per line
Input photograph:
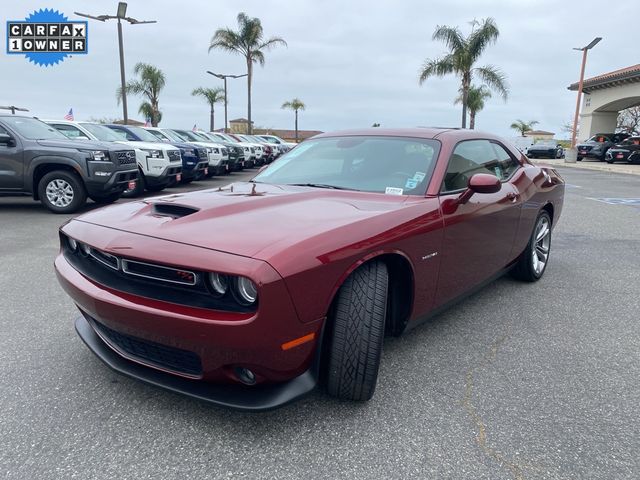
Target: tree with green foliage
x=295 y=105
x=246 y=41
x=464 y=53
x=475 y=102
x=150 y=83
x=523 y=127
x=212 y=96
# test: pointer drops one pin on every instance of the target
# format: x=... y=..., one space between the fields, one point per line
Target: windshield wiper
x=321 y=185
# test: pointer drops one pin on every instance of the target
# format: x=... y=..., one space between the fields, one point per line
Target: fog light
x=245 y=375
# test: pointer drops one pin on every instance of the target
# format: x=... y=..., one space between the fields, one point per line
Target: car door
x=479 y=234
x=11 y=163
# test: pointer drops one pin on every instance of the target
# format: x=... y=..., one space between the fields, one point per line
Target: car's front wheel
x=533 y=262
x=357 y=332
x=61 y=191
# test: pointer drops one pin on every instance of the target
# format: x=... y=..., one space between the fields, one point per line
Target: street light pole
x=224 y=78
x=580 y=83
x=123 y=83
x=120 y=15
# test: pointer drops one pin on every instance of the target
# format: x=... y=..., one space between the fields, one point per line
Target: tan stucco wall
x=600 y=108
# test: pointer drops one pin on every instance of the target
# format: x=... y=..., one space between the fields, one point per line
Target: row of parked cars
x=62 y=163
x=611 y=147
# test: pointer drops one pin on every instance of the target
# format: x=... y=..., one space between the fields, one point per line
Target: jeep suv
x=37 y=160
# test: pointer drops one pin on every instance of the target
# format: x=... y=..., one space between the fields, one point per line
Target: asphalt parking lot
x=518 y=381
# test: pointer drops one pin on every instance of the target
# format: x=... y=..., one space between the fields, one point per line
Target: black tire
x=66 y=178
x=139 y=190
x=524 y=268
x=187 y=180
x=357 y=333
x=107 y=199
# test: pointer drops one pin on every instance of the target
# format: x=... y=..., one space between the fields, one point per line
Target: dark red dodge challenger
x=248 y=296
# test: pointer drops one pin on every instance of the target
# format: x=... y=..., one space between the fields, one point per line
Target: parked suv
x=159 y=164
x=37 y=160
x=194 y=159
x=597 y=146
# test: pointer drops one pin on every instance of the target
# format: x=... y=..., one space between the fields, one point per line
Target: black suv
x=37 y=160
x=597 y=146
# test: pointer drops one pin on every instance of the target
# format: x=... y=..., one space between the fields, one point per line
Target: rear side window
x=477 y=156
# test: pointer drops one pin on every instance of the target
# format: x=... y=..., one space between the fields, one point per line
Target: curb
x=623 y=169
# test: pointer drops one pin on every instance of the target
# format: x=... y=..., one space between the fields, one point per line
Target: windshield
x=142 y=134
x=270 y=140
x=159 y=135
x=187 y=136
x=396 y=165
x=225 y=137
x=103 y=133
x=599 y=139
x=545 y=143
x=172 y=135
x=631 y=141
x=34 y=129
x=202 y=136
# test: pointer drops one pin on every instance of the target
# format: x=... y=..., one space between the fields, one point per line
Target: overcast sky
x=352 y=62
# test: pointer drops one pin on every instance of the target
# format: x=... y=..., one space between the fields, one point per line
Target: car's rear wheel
x=533 y=262
x=61 y=191
x=357 y=333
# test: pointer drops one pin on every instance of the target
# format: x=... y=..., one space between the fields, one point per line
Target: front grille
x=202 y=153
x=157 y=272
x=150 y=353
x=253 y=150
x=126 y=158
x=585 y=148
x=174 y=155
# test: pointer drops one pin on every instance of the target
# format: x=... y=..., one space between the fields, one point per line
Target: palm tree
x=150 y=84
x=523 y=127
x=295 y=105
x=463 y=54
x=212 y=96
x=248 y=42
x=475 y=101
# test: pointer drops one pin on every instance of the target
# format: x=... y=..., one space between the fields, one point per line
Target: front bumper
x=105 y=179
x=220 y=340
x=259 y=398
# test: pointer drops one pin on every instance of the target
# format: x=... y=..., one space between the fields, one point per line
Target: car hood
x=252 y=220
x=147 y=145
x=81 y=144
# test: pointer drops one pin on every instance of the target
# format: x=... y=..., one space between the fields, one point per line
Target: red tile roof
x=632 y=72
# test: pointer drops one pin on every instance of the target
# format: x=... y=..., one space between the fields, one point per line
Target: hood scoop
x=172 y=210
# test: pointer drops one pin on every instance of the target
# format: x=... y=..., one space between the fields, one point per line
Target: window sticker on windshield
x=393 y=191
x=411 y=183
x=419 y=176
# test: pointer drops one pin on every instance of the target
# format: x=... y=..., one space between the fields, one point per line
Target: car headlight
x=246 y=291
x=219 y=283
x=98 y=155
x=215 y=150
x=153 y=153
x=246 y=149
x=73 y=244
x=189 y=151
x=209 y=150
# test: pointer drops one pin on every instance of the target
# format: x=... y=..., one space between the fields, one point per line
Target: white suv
x=284 y=146
x=159 y=164
x=218 y=155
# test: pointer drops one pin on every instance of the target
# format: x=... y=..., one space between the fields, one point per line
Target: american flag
x=69 y=116
x=195 y=127
x=147 y=122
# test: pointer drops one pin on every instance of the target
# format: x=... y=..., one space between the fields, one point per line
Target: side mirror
x=6 y=139
x=480 y=183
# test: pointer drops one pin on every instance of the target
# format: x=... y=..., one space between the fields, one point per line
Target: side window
x=508 y=164
x=468 y=158
x=70 y=131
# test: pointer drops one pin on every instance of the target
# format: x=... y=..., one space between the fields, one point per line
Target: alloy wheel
x=59 y=192
x=541 y=245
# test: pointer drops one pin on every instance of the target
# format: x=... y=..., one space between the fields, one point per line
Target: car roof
x=450 y=134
